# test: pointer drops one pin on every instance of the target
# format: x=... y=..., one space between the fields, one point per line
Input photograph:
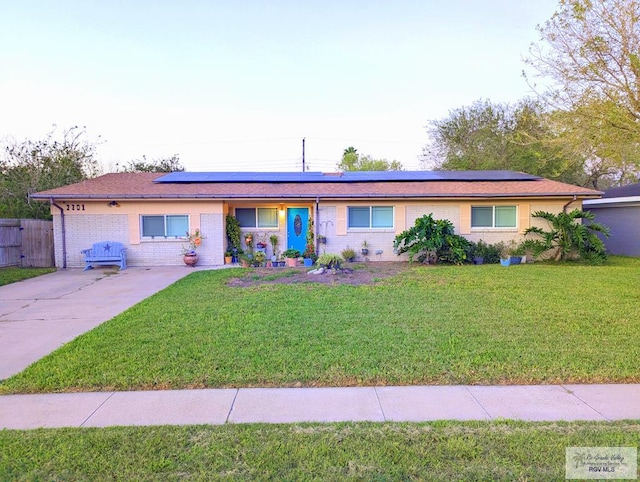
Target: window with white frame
x=164 y=225
x=493 y=217
x=370 y=217
x=257 y=217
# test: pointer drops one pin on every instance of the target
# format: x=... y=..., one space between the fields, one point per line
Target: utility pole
x=304 y=168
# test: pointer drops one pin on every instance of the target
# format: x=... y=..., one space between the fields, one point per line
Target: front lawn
x=500 y=450
x=531 y=324
x=11 y=275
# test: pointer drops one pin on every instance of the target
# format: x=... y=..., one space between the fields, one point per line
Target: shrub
x=348 y=253
x=569 y=237
x=330 y=261
x=233 y=232
x=432 y=238
x=291 y=253
x=490 y=252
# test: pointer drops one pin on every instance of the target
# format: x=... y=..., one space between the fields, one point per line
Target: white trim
x=494 y=228
x=612 y=200
x=370 y=227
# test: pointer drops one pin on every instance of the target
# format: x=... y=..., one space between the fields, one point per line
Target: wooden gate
x=26 y=243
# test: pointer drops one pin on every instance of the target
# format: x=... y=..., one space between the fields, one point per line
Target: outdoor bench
x=105 y=253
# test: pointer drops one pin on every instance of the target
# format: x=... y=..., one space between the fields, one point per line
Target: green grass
x=11 y=275
x=499 y=450
x=531 y=324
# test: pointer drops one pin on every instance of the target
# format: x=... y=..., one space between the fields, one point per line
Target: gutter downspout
x=316 y=224
x=564 y=208
x=64 y=233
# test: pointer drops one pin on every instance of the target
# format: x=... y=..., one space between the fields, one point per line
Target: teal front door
x=297 y=220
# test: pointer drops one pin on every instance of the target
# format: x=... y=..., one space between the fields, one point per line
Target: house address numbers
x=74 y=207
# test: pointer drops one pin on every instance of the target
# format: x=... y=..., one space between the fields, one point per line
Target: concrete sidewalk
x=38 y=315
x=287 y=405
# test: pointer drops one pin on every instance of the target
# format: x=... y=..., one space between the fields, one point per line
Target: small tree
x=431 y=239
x=169 y=164
x=352 y=161
x=32 y=166
x=570 y=237
x=233 y=232
x=310 y=248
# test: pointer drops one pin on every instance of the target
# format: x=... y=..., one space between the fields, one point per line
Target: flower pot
x=244 y=263
x=478 y=260
x=365 y=251
x=292 y=262
x=505 y=261
x=308 y=262
x=190 y=259
x=228 y=259
x=515 y=259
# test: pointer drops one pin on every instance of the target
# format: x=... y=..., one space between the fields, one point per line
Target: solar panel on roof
x=354 y=176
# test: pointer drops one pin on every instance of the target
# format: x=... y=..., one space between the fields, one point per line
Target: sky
x=236 y=86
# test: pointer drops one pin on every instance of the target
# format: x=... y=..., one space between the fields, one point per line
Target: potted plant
x=194 y=241
x=245 y=260
x=232 y=226
x=479 y=252
x=348 y=254
x=330 y=261
x=292 y=256
x=259 y=258
x=261 y=244
x=248 y=241
x=505 y=255
x=228 y=256
x=365 y=248
x=309 y=255
x=274 y=244
x=322 y=239
x=514 y=252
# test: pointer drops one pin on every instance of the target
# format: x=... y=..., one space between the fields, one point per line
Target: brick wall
x=83 y=231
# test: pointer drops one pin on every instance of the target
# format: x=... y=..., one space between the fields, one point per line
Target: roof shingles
x=141 y=186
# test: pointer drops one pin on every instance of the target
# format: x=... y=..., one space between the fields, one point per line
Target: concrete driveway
x=40 y=314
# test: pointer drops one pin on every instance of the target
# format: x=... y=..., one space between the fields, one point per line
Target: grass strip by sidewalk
x=12 y=275
x=501 y=450
x=530 y=324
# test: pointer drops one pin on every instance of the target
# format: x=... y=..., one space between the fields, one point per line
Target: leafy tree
x=352 y=161
x=232 y=228
x=500 y=136
x=569 y=237
x=31 y=166
x=432 y=239
x=169 y=164
x=589 y=51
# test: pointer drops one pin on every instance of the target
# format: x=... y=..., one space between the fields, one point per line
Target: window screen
x=174 y=225
x=358 y=217
x=493 y=217
x=246 y=217
x=371 y=217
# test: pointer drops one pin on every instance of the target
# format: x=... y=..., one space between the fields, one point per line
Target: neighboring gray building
x=619 y=209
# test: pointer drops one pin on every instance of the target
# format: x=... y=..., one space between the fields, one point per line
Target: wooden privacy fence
x=26 y=243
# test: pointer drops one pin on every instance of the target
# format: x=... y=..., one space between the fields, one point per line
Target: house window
x=163 y=226
x=493 y=216
x=257 y=217
x=370 y=217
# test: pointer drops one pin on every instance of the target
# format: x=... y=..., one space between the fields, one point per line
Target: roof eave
x=46 y=197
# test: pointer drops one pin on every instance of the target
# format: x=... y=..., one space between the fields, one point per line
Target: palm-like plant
x=569 y=236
